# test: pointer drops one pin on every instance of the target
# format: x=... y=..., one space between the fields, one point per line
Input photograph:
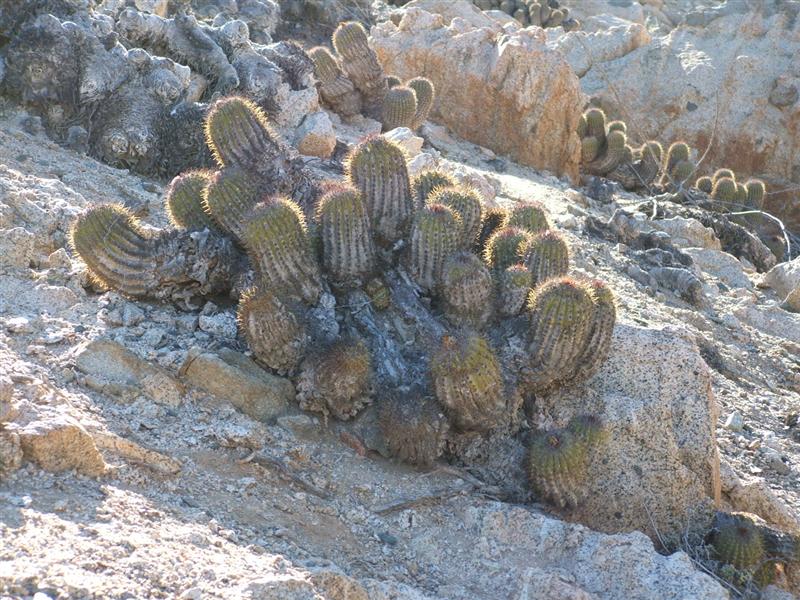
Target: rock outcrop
x=513 y=94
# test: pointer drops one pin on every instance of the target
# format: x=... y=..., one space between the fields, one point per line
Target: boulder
x=721 y=265
x=57 y=442
x=784 y=278
x=659 y=463
x=513 y=95
x=231 y=376
x=584 y=49
x=451 y=9
x=688 y=233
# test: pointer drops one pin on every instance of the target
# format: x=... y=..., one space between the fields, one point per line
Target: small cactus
x=466 y=289
x=756 y=190
x=588 y=429
x=611 y=157
x=724 y=191
x=741 y=194
x=466 y=202
x=273 y=331
x=335 y=89
x=377 y=168
x=238 y=133
x=560 y=323
x=348 y=249
x=515 y=287
x=427 y=181
x=505 y=248
x=546 y=256
x=558 y=463
x=434 y=237
x=399 y=108
x=278 y=245
x=493 y=219
x=336 y=380
x=678 y=152
x=413 y=428
x=721 y=173
x=468 y=383
x=229 y=197
x=603 y=319
x=169 y=264
x=392 y=81
x=184 y=200
x=737 y=541
x=618 y=126
x=590 y=148
x=426 y=94
x=705 y=184
x=529 y=215
x=596 y=123
x=361 y=64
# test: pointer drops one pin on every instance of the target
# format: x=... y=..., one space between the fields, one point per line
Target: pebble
x=734 y=422
x=19 y=325
x=774 y=461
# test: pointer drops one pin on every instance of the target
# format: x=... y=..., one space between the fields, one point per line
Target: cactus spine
x=413 y=428
x=278 y=244
x=546 y=256
x=724 y=191
x=273 y=331
x=426 y=94
x=530 y=216
x=229 y=197
x=505 y=248
x=337 y=380
x=468 y=382
x=558 y=463
x=705 y=184
x=348 y=248
x=466 y=289
x=184 y=201
x=515 y=287
x=399 y=108
x=335 y=88
x=427 y=181
x=466 y=202
x=361 y=64
x=434 y=237
x=493 y=219
x=238 y=133
x=603 y=319
x=737 y=541
x=377 y=168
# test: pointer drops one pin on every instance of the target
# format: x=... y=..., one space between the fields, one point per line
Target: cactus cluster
x=543 y=13
x=729 y=194
x=371 y=246
x=603 y=146
x=352 y=81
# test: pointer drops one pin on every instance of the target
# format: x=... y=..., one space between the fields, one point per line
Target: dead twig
x=278 y=466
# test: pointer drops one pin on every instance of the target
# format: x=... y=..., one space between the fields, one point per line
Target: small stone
x=221 y=325
x=405 y=138
x=131 y=315
x=775 y=461
x=187 y=323
x=315 y=136
x=19 y=325
x=387 y=538
x=734 y=422
x=783 y=94
x=59 y=443
x=59 y=260
x=154 y=338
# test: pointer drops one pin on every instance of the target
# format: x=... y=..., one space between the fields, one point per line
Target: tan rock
x=451 y=9
x=231 y=376
x=784 y=278
x=721 y=265
x=688 y=233
x=10 y=452
x=513 y=94
x=315 y=136
x=56 y=442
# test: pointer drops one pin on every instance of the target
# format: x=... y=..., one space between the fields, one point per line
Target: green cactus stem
x=377 y=168
x=336 y=380
x=558 y=467
x=466 y=202
x=413 y=427
x=705 y=184
x=427 y=181
x=514 y=288
x=678 y=152
x=583 y=127
x=274 y=332
x=741 y=194
x=229 y=197
x=724 y=191
x=505 y=248
x=756 y=191
x=392 y=81
x=434 y=237
x=720 y=173
x=590 y=149
x=238 y=133
x=588 y=429
x=277 y=242
x=335 y=89
x=172 y=264
x=361 y=64
x=348 y=249
x=468 y=382
x=184 y=200
x=466 y=290
x=603 y=319
x=493 y=220
x=399 y=108
x=737 y=541
x=611 y=157
x=529 y=215
x=618 y=126
x=426 y=95
x=596 y=123
x=546 y=256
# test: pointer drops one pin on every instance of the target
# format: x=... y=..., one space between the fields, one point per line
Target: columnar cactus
x=399 y=108
x=678 y=152
x=529 y=215
x=392 y=81
x=172 y=264
x=426 y=94
x=427 y=181
x=238 y=133
x=184 y=200
x=377 y=167
x=505 y=248
x=493 y=220
x=348 y=250
x=466 y=289
x=335 y=89
x=561 y=313
x=641 y=168
x=612 y=156
x=434 y=237
x=274 y=332
x=468 y=382
x=515 y=287
x=277 y=242
x=466 y=202
x=720 y=173
x=603 y=319
x=558 y=462
x=361 y=64
x=229 y=197
x=724 y=191
x=413 y=428
x=336 y=380
x=741 y=193
x=588 y=428
x=546 y=256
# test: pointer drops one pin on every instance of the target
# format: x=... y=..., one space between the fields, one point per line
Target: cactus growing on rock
x=529 y=215
x=361 y=64
x=598 y=345
x=336 y=380
x=505 y=248
x=427 y=181
x=426 y=95
x=514 y=288
x=377 y=168
x=546 y=256
x=413 y=428
x=172 y=264
x=466 y=202
x=274 y=332
x=434 y=237
x=348 y=249
x=399 y=108
x=277 y=241
x=335 y=89
x=737 y=541
x=184 y=200
x=558 y=467
x=466 y=289
x=468 y=382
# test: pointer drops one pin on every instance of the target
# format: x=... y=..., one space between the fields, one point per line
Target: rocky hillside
x=149 y=447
